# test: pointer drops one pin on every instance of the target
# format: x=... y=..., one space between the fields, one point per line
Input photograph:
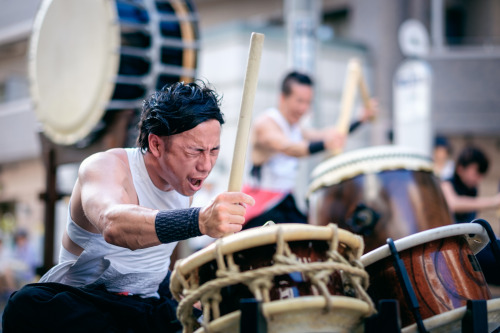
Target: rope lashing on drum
x=360 y=284
x=259 y=281
x=210 y=301
x=185 y=285
x=192 y=296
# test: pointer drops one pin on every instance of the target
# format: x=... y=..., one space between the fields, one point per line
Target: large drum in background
x=93 y=56
x=442 y=270
x=378 y=192
x=308 y=278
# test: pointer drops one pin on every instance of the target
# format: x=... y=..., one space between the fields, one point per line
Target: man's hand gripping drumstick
x=225 y=215
x=354 y=79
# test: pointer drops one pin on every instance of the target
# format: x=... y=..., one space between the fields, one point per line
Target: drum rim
x=294 y=305
x=439 y=320
x=476 y=242
x=261 y=236
x=361 y=161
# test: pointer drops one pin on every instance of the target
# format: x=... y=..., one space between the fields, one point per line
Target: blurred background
x=446 y=51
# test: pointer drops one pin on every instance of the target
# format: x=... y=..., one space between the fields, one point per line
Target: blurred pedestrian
x=461 y=193
x=23 y=252
x=443 y=163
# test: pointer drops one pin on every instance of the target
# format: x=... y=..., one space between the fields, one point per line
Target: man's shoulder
x=115 y=156
x=267 y=118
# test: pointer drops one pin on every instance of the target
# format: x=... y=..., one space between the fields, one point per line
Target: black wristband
x=316 y=147
x=354 y=126
x=177 y=224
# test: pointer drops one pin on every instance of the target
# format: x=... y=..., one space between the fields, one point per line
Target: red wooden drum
x=378 y=192
x=90 y=57
x=441 y=266
x=308 y=278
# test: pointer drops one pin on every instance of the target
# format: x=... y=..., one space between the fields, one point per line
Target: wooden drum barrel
x=441 y=266
x=377 y=192
x=307 y=278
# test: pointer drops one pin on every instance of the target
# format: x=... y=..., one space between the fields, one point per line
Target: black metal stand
x=475 y=319
x=408 y=290
x=495 y=249
x=252 y=319
x=387 y=319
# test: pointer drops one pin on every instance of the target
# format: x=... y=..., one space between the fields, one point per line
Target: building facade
x=464 y=58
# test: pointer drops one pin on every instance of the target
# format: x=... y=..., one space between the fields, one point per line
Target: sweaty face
x=297 y=103
x=470 y=175
x=190 y=156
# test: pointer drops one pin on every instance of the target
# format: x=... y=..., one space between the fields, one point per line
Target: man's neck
x=152 y=166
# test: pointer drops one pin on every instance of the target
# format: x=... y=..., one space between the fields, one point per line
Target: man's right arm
x=110 y=204
x=269 y=139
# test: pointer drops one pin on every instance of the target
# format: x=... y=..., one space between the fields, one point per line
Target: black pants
x=285 y=212
x=55 y=307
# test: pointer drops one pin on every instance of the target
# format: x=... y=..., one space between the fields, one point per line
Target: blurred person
x=128 y=209
x=278 y=142
x=461 y=193
x=24 y=253
x=7 y=281
x=443 y=164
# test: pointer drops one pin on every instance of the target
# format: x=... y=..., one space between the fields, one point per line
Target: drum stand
x=252 y=320
x=475 y=319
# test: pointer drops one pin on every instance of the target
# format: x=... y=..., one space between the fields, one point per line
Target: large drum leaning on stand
x=378 y=192
x=308 y=279
x=92 y=57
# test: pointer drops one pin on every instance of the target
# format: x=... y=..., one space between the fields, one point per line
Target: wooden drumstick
x=365 y=94
x=352 y=79
x=244 y=122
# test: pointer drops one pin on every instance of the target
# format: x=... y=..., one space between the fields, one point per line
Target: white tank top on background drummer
x=120 y=269
x=279 y=173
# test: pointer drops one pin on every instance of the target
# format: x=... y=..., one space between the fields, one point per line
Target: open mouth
x=196 y=182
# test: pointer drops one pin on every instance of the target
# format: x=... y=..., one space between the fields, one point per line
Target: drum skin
x=89 y=60
x=444 y=274
x=285 y=286
x=391 y=203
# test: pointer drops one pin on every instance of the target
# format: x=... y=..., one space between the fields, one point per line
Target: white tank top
x=120 y=269
x=279 y=173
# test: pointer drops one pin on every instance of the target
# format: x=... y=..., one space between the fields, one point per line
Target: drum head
x=367 y=160
x=474 y=233
x=72 y=63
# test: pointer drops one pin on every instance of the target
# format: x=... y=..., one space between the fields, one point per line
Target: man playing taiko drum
x=128 y=209
x=278 y=141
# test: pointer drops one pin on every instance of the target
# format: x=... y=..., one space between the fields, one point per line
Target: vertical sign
x=412 y=90
x=412 y=106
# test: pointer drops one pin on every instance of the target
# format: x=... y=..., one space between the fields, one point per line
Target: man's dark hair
x=177 y=108
x=294 y=77
x=471 y=155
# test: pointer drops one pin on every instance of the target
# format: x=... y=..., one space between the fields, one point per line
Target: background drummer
x=129 y=207
x=461 y=191
x=278 y=141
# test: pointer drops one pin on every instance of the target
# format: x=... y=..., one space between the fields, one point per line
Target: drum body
x=282 y=266
x=378 y=192
x=442 y=269
x=88 y=58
